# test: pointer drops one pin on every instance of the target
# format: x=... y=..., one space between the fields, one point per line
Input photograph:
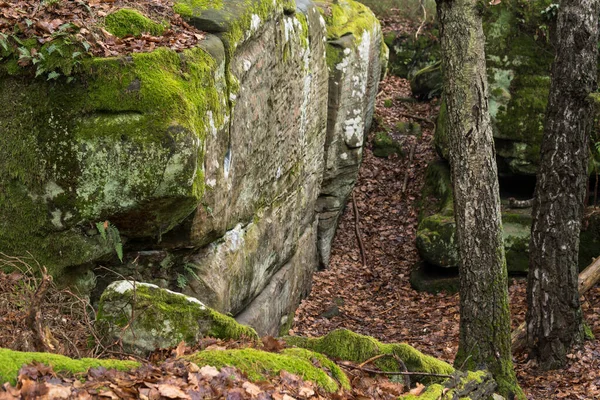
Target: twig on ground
x=410 y=160
x=377 y=357
x=389 y=309
x=358 y=234
x=398 y=360
x=353 y=318
x=403 y=373
x=417 y=117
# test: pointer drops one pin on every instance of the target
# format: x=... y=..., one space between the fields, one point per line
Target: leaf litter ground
x=379 y=301
x=44 y=19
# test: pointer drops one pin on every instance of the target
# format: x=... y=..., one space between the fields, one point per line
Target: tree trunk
x=587 y=279
x=554 y=320
x=485 y=319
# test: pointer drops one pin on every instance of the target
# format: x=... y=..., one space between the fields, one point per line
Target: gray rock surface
x=355 y=56
x=212 y=168
x=142 y=317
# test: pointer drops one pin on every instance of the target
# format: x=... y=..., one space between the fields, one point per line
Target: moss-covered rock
x=259 y=365
x=477 y=385
x=436 y=231
x=122 y=142
x=146 y=317
x=436 y=196
x=172 y=150
x=519 y=56
x=409 y=55
x=233 y=21
x=436 y=240
x=347 y=345
x=189 y=8
x=11 y=361
x=355 y=54
x=384 y=145
x=128 y=22
x=347 y=17
x=427 y=82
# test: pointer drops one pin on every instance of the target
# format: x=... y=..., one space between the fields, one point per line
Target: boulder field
x=219 y=171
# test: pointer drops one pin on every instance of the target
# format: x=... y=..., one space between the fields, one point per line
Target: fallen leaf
x=172 y=392
x=208 y=371
x=416 y=391
x=271 y=344
x=251 y=389
x=180 y=350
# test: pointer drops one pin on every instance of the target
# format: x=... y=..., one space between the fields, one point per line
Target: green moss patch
x=11 y=361
x=162 y=318
x=188 y=8
x=258 y=365
x=347 y=345
x=347 y=17
x=128 y=22
x=384 y=145
x=120 y=142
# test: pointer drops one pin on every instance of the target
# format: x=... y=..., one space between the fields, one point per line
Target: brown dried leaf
x=172 y=392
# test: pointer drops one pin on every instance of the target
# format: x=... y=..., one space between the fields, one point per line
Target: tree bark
x=485 y=320
x=587 y=279
x=554 y=320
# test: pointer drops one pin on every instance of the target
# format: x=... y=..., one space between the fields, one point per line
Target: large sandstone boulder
x=518 y=57
x=356 y=55
x=200 y=170
x=436 y=240
x=143 y=317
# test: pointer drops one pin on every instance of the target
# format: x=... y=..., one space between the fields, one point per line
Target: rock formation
x=212 y=171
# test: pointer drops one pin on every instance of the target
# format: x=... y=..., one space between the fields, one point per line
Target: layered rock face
x=200 y=169
x=357 y=58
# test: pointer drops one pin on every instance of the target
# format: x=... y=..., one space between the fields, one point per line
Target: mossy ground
x=11 y=361
x=258 y=365
x=347 y=345
x=384 y=145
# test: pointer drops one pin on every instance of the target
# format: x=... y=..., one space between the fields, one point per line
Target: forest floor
x=378 y=300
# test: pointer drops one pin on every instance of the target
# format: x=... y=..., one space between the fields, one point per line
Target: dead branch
x=410 y=160
x=587 y=279
x=398 y=360
x=403 y=373
x=417 y=117
x=358 y=234
x=370 y=360
x=389 y=309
